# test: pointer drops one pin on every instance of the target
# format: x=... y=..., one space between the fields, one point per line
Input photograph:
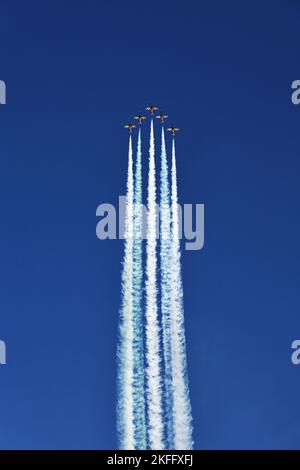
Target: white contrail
x=183 y=438
x=125 y=347
x=153 y=370
x=138 y=343
x=165 y=267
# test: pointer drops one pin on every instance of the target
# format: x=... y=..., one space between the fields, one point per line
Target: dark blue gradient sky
x=75 y=72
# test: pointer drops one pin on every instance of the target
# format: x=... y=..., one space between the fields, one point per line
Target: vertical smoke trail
x=125 y=421
x=154 y=383
x=138 y=347
x=165 y=249
x=183 y=438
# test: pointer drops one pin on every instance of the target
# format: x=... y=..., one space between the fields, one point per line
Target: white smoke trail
x=125 y=421
x=153 y=371
x=183 y=438
x=165 y=266
x=138 y=343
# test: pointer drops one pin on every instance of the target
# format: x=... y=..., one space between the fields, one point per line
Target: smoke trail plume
x=125 y=351
x=165 y=266
x=153 y=370
x=138 y=347
x=181 y=407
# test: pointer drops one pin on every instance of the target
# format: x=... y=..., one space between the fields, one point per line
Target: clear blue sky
x=75 y=72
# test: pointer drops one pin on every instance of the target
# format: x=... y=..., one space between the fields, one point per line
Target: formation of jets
x=140 y=118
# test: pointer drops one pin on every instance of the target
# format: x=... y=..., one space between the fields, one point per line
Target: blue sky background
x=76 y=71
